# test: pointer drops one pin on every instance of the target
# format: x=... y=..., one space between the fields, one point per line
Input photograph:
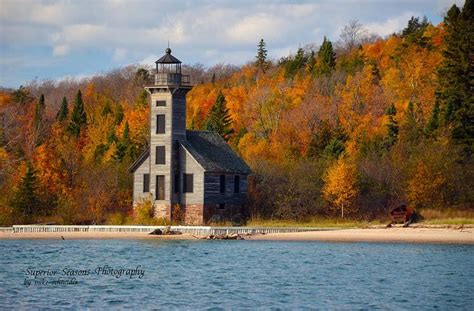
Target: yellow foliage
x=425 y=187
x=340 y=188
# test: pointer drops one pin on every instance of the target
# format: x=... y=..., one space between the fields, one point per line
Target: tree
x=353 y=34
x=392 y=127
x=39 y=111
x=26 y=199
x=340 y=187
x=455 y=76
x=410 y=129
x=415 y=29
x=63 y=111
x=124 y=145
x=261 y=57
x=142 y=99
x=78 y=116
x=433 y=123
x=327 y=58
x=22 y=95
x=218 y=119
x=119 y=114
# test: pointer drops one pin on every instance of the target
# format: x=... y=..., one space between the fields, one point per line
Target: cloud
x=66 y=33
x=390 y=25
x=61 y=50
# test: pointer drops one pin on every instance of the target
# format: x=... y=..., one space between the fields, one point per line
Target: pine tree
x=455 y=76
x=63 y=111
x=392 y=127
x=26 y=199
x=119 y=114
x=124 y=144
x=327 y=58
x=218 y=119
x=261 y=57
x=78 y=116
x=433 y=123
x=39 y=111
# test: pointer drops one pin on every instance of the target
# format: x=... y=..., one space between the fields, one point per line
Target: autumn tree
x=326 y=57
x=78 y=117
x=425 y=188
x=218 y=119
x=261 y=57
x=63 y=111
x=410 y=129
x=22 y=95
x=340 y=188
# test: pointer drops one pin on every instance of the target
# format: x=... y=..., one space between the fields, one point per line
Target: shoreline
x=387 y=235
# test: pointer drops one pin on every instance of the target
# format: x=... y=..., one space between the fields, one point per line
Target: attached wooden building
x=195 y=169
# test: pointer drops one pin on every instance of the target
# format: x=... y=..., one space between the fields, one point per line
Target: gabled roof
x=139 y=161
x=212 y=152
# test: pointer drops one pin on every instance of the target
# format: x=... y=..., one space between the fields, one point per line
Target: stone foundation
x=162 y=211
x=194 y=214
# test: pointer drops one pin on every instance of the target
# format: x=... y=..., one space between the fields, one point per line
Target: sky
x=58 y=39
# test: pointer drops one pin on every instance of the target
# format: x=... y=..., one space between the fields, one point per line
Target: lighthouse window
x=160 y=155
x=160 y=124
x=161 y=103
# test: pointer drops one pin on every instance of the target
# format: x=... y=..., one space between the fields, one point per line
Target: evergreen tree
x=142 y=99
x=39 y=111
x=294 y=64
x=433 y=123
x=415 y=29
x=26 y=200
x=262 y=62
x=107 y=109
x=392 y=127
x=455 y=76
x=119 y=114
x=320 y=139
x=327 y=58
x=63 y=111
x=124 y=145
x=78 y=116
x=311 y=64
x=218 y=119
x=213 y=79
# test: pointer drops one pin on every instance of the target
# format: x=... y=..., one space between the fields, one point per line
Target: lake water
x=234 y=275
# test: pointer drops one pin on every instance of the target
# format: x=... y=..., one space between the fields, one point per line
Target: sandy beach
x=389 y=235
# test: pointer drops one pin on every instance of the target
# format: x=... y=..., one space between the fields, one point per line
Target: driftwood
x=165 y=231
x=232 y=236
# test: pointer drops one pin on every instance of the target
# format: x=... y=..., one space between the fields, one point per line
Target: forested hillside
x=361 y=125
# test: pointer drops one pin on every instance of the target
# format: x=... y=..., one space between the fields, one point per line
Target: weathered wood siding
x=138 y=193
x=189 y=165
x=213 y=195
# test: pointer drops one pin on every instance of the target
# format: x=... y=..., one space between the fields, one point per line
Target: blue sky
x=75 y=39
